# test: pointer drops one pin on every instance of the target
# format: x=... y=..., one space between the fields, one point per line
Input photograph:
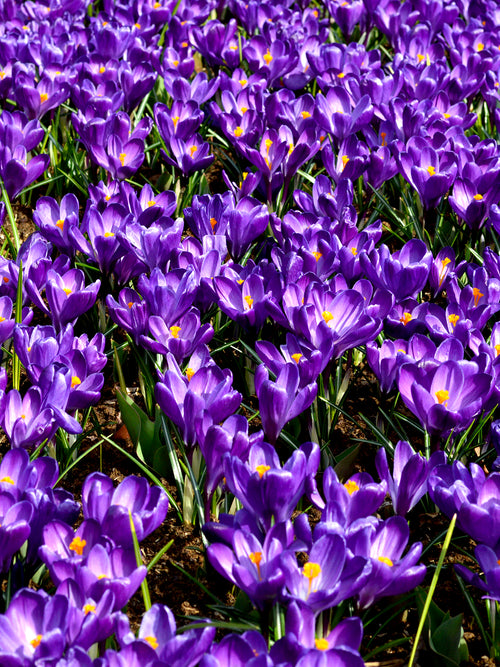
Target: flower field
x=249 y=297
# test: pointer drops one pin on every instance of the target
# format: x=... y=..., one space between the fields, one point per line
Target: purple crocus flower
x=15 y=517
x=237 y=651
x=114 y=569
x=265 y=488
x=68 y=297
x=408 y=482
x=444 y=396
x=282 y=400
x=383 y=543
x=33 y=629
x=490 y=567
x=472 y=495
x=110 y=507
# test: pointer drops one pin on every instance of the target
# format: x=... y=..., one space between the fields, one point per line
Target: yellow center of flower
x=130 y=304
x=102 y=69
x=175 y=331
x=7 y=480
x=248 y=300
x=383 y=136
x=262 y=469
x=122 y=157
x=327 y=316
x=108 y=235
x=152 y=641
x=420 y=57
x=341 y=75
x=175 y=63
x=478 y=197
x=497 y=349
x=267 y=57
x=77 y=545
x=244 y=109
x=243 y=82
x=387 y=561
x=151 y=202
x=67 y=290
x=354 y=251
x=238 y=131
x=75 y=381
x=447 y=115
x=297 y=357
x=453 y=319
x=193 y=150
x=480 y=46
x=316 y=255
x=88 y=608
x=175 y=120
x=311 y=571
x=431 y=170
x=60 y=224
x=36 y=641
x=322 y=644
x=477 y=295
x=305 y=114
x=43 y=97
x=345 y=160
x=189 y=373
x=2 y=319
x=405 y=318
x=102 y=576
x=268 y=143
x=256 y=557
x=2 y=74
x=351 y=486
x=442 y=396
x=137 y=25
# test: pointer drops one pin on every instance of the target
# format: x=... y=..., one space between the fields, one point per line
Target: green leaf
x=143 y=432
x=447 y=641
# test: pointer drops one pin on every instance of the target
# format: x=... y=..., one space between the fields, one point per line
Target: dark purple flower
x=408 y=482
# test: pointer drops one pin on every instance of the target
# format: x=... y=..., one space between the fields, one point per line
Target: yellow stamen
x=256 y=558
x=60 y=224
x=238 y=131
x=327 y=316
x=442 y=396
x=431 y=170
x=175 y=331
x=480 y=46
x=262 y=469
x=297 y=357
x=122 y=157
x=267 y=57
x=322 y=644
x=75 y=381
x=244 y=109
x=87 y=608
x=151 y=202
x=36 y=641
x=175 y=120
x=311 y=571
x=387 y=561
x=152 y=641
x=383 y=136
x=130 y=304
x=137 y=25
x=213 y=222
x=189 y=373
x=305 y=114
x=268 y=143
x=77 y=545
x=7 y=480
x=447 y=115
x=102 y=69
x=497 y=349
x=477 y=295
x=193 y=150
x=243 y=82
x=102 y=576
x=345 y=160
x=420 y=57
x=453 y=319
x=43 y=97
x=175 y=63
x=249 y=300
x=108 y=235
x=405 y=318
x=2 y=74
x=351 y=486
x=354 y=251
x=317 y=254
x=478 y=197
x=67 y=290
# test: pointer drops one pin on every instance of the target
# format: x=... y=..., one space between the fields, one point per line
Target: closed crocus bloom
x=408 y=482
x=15 y=517
x=445 y=396
x=54 y=220
x=282 y=400
x=490 y=567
